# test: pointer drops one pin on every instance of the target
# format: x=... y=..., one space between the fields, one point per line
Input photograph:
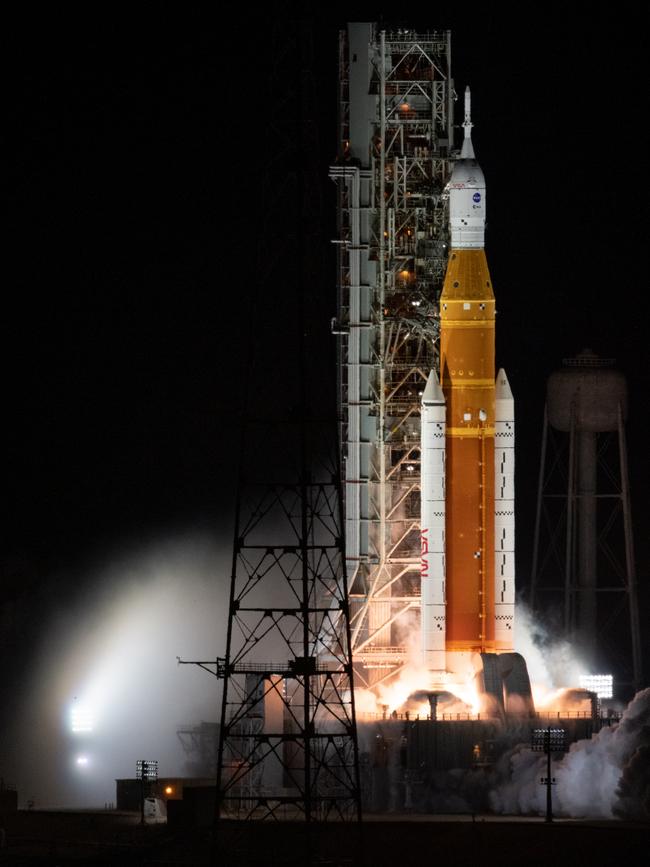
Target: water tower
x=583 y=554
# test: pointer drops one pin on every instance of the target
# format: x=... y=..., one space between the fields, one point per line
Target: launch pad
x=448 y=765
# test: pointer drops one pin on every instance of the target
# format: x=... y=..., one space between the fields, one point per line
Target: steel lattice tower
x=288 y=745
x=288 y=733
x=395 y=145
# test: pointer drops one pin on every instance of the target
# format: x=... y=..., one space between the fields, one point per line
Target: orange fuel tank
x=467 y=380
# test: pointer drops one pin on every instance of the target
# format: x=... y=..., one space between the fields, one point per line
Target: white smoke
x=552 y=664
x=603 y=777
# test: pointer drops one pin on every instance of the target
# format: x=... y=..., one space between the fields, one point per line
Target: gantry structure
x=394 y=151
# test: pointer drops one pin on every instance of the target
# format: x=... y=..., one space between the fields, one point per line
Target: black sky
x=134 y=158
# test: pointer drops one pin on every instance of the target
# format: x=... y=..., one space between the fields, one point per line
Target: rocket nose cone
x=502 y=386
x=432 y=392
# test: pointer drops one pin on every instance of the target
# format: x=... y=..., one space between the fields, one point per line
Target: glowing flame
x=407 y=693
x=394 y=695
x=468 y=694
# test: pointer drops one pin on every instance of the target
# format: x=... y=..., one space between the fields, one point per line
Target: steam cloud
x=552 y=664
x=604 y=777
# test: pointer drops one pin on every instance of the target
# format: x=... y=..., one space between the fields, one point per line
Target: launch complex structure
x=413 y=568
x=427 y=433
x=427 y=421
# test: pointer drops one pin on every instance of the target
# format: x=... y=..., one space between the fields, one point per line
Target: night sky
x=135 y=154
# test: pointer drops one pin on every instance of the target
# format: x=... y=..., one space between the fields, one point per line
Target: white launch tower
x=395 y=143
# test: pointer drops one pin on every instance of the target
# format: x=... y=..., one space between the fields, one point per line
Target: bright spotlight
x=81 y=720
x=82 y=761
x=601 y=684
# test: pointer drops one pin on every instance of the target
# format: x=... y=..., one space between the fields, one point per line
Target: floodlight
x=81 y=720
x=146 y=770
x=601 y=684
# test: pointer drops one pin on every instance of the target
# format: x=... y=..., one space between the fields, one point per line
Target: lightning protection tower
x=395 y=142
x=288 y=744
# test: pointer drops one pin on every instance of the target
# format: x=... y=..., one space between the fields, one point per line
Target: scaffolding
x=395 y=146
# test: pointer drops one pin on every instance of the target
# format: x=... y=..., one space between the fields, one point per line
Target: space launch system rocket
x=467 y=452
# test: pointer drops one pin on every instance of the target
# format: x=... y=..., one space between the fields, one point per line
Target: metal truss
x=555 y=573
x=393 y=214
x=287 y=740
x=288 y=746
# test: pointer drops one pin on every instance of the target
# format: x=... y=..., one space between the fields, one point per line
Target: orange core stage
x=467 y=380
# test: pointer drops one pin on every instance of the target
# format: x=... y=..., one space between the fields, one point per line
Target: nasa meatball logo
x=476 y=197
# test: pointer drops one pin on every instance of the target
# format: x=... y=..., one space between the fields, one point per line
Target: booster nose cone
x=502 y=386
x=433 y=393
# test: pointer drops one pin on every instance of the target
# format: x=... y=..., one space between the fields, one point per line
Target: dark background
x=140 y=161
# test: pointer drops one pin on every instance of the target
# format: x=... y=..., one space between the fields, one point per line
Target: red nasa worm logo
x=424 y=540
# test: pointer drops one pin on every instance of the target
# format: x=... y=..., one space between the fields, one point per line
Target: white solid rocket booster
x=504 y=514
x=432 y=457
